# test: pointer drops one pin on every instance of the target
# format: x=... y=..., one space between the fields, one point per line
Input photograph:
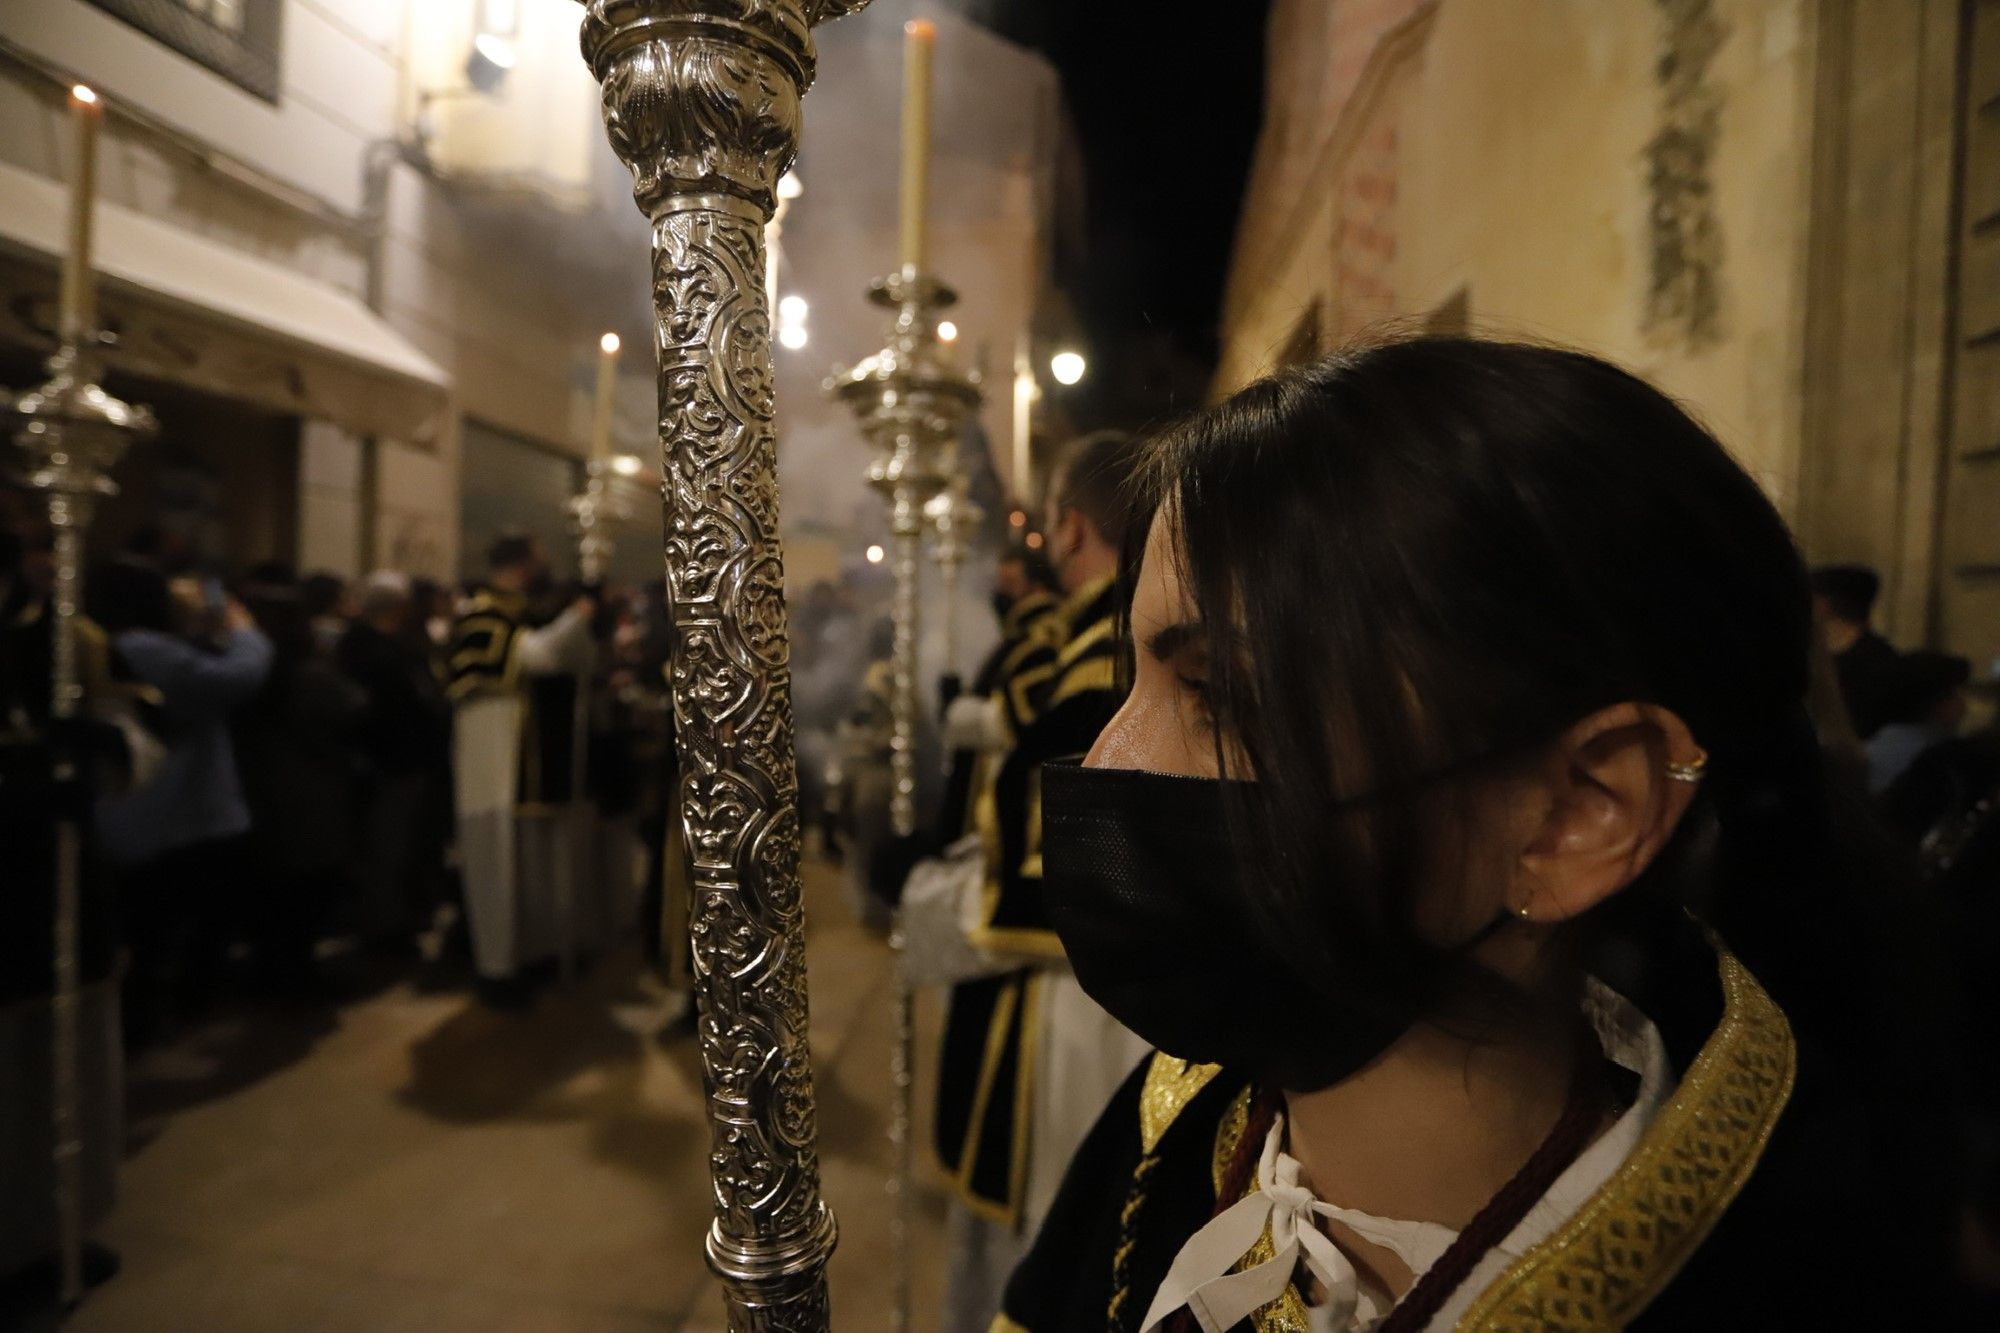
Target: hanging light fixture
x=496 y=30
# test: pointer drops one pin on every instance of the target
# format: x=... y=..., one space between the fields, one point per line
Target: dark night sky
x=1165 y=96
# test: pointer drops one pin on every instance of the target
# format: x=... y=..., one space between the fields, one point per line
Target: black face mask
x=1141 y=882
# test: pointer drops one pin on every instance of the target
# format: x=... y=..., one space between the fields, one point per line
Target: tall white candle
x=919 y=38
x=607 y=384
x=77 y=312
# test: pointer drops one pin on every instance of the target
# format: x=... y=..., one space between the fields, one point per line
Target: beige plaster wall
x=1513 y=133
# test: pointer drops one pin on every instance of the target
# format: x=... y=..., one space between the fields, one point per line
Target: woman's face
x=1165 y=726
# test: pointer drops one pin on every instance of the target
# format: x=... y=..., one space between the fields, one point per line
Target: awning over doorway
x=198 y=312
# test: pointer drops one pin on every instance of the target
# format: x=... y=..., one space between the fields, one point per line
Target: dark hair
x=510 y=549
x=320 y=593
x=1922 y=681
x=285 y=618
x=127 y=594
x=1850 y=590
x=271 y=574
x=1035 y=566
x=1094 y=476
x=1423 y=560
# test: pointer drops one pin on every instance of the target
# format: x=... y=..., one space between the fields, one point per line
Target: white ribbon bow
x=1219 y=1299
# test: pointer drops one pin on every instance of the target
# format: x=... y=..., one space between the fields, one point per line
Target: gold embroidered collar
x=1621 y=1249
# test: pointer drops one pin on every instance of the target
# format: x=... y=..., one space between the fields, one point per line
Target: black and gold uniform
x=1711 y=1222
x=1031 y=620
x=484 y=661
x=1059 y=691
x=484 y=655
x=1030 y=631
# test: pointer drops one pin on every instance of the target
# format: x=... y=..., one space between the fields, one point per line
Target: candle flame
x=84 y=93
x=609 y=342
x=923 y=29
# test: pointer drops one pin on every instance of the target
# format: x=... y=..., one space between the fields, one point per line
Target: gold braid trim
x=1170 y=1085
x=1128 y=1240
x=1099 y=674
x=1604 y=1265
x=1286 y=1314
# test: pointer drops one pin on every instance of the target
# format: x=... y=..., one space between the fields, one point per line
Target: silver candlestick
x=954 y=520
x=590 y=510
x=911 y=402
x=73 y=433
x=701 y=101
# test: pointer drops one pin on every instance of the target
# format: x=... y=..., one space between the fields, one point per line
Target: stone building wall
x=1750 y=202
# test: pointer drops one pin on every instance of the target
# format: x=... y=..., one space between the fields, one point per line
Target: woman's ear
x=1613 y=789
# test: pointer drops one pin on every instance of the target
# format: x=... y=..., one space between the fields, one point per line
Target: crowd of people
x=1375 y=885
x=273 y=771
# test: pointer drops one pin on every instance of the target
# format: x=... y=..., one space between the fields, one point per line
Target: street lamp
x=792 y=321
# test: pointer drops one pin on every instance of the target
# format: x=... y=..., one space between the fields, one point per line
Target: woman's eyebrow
x=1164 y=644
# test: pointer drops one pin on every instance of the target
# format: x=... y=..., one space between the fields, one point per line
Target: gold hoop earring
x=1692 y=771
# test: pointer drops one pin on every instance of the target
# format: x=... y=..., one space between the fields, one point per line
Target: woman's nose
x=1121 y=744
x=1107 y=740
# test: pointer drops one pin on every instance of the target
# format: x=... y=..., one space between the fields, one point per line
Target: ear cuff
x=1692 y=771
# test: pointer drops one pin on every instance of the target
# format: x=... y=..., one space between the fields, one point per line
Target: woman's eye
x=1197 y=688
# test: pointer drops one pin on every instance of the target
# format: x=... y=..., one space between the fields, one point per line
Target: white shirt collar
x=1200 y=1277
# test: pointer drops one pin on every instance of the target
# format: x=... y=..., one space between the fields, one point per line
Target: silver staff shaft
x=701 y=101
x=953 y=518
x=590 y=510
x=74 y=433
x=65 y=704
x=907 y=534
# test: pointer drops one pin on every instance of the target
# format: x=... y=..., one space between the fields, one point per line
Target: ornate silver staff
x=73 y=433
x=911 y=401
x=701 y=101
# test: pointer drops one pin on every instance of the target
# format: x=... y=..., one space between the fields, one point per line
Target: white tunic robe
x=526 y=893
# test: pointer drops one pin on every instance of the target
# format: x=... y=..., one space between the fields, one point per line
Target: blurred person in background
x=329 y=607
x=1923 y=706
x=1844 y=604
x=177 y=839
x=295 y=742
x=1025 y=600
x=509 y=748
x=404 y=738
x=434 y=607
x=1028 y=1059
